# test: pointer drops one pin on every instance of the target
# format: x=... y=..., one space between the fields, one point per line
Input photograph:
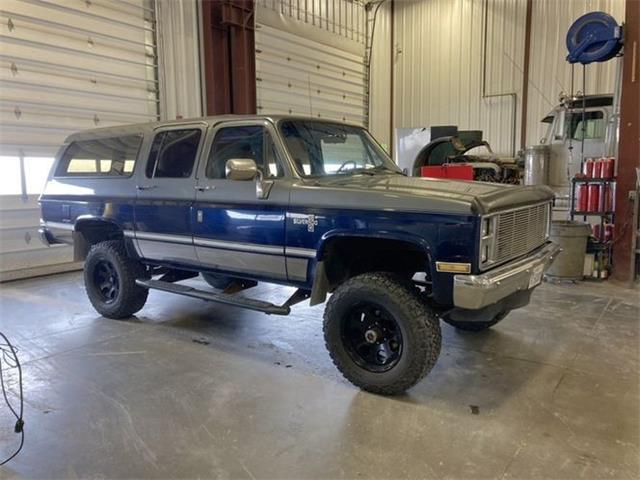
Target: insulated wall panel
x=437 y=61
x=64 y=66
x=179 y=59
x=550 y=74
x=311 y=62
x=380 y=76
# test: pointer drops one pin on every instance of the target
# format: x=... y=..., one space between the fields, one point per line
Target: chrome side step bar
x=224 y=298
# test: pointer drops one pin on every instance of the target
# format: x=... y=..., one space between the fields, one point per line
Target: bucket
x=571 y=236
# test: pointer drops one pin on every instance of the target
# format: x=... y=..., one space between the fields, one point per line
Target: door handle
x=204 y=188
x=145 y=187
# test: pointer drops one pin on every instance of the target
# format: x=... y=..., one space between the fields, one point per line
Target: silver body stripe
x=242 y=247
x=300 y=252
x=59 y=225
x=164 y=237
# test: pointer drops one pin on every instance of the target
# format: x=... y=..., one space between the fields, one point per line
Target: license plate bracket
x=536 y=276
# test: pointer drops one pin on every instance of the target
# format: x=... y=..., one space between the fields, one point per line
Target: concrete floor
x=190 y=389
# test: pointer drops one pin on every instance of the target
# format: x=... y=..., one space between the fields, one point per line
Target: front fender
x=415 y=240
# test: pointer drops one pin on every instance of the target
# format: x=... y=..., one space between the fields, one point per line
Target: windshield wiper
x=352 y=171
x=387 y=169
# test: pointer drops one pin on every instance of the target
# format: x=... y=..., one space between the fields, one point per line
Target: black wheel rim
x=106 y=280
x=372 y=337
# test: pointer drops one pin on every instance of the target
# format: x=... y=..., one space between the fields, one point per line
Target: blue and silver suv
x=313 y=204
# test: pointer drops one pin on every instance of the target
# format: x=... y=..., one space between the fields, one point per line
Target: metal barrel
x=536 y=165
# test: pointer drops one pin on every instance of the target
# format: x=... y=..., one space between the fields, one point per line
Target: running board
x=233 y=300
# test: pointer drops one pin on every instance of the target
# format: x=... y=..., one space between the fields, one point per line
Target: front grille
x=520 y=231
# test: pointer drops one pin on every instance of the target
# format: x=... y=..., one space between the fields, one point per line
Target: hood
x=417 y=193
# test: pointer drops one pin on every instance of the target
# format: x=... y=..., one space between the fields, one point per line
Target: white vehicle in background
x=595 y=116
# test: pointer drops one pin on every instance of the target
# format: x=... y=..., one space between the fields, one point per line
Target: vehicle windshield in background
x=321 y=148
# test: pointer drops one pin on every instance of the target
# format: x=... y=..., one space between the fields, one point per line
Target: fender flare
x=80 y=244
x=320 y=285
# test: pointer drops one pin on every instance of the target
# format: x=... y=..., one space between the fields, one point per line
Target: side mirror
x=246 y=169
x=241 y=169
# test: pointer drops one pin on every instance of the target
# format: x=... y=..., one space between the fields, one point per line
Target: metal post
x=629 y=147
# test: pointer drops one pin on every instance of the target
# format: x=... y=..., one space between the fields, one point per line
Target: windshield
x=322 y=148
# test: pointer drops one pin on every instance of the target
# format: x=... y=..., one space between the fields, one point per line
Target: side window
x=106 y=157
x=173 y=153
x=592 y=127
x=248 y=142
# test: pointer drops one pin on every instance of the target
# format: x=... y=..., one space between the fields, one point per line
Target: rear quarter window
x=103 y=157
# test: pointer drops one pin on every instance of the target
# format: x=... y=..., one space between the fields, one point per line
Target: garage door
x=311 y=63
x=66 y=66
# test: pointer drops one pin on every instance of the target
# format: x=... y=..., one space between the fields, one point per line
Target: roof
x=141 y=128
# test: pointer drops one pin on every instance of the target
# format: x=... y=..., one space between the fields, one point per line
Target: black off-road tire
x=476 y=326
x=130 y=298
x=419 y=327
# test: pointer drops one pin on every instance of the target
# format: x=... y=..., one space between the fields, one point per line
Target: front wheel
x=110 y=280
x=476 y=326
x=379 y=333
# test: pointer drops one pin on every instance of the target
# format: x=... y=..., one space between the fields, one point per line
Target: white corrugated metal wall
x=550 y=74
x=439 y=65
x=66 y=66
x=380 y=73
x=310 y=58
x=179 y=59
x=438 y=59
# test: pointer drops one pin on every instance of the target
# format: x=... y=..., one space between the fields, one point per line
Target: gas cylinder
x=593 y=202
x=587 y=168
x=608 y=167
x=597 y=168
x=583 y=198
x=607 y=199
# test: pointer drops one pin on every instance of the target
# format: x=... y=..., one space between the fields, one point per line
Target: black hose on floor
x=9 y=356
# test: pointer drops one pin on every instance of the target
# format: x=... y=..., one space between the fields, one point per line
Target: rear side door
x=166 y=193
x=234 y=230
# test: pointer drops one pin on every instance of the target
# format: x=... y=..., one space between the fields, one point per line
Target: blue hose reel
x=594 y=37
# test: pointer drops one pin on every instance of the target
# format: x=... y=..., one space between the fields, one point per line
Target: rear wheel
x=110 y=280
x=222 y=282
x=379 y=333
x=219 y=282
x=476 y=326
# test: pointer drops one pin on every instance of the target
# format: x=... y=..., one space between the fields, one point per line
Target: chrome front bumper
x=478 y=291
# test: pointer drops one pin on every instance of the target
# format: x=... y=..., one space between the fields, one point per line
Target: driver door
x=234 y=230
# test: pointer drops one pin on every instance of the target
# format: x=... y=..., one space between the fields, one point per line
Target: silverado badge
x=310 y=221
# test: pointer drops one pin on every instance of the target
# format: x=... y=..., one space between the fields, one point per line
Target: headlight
x=487 y=229
x=486 y=226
